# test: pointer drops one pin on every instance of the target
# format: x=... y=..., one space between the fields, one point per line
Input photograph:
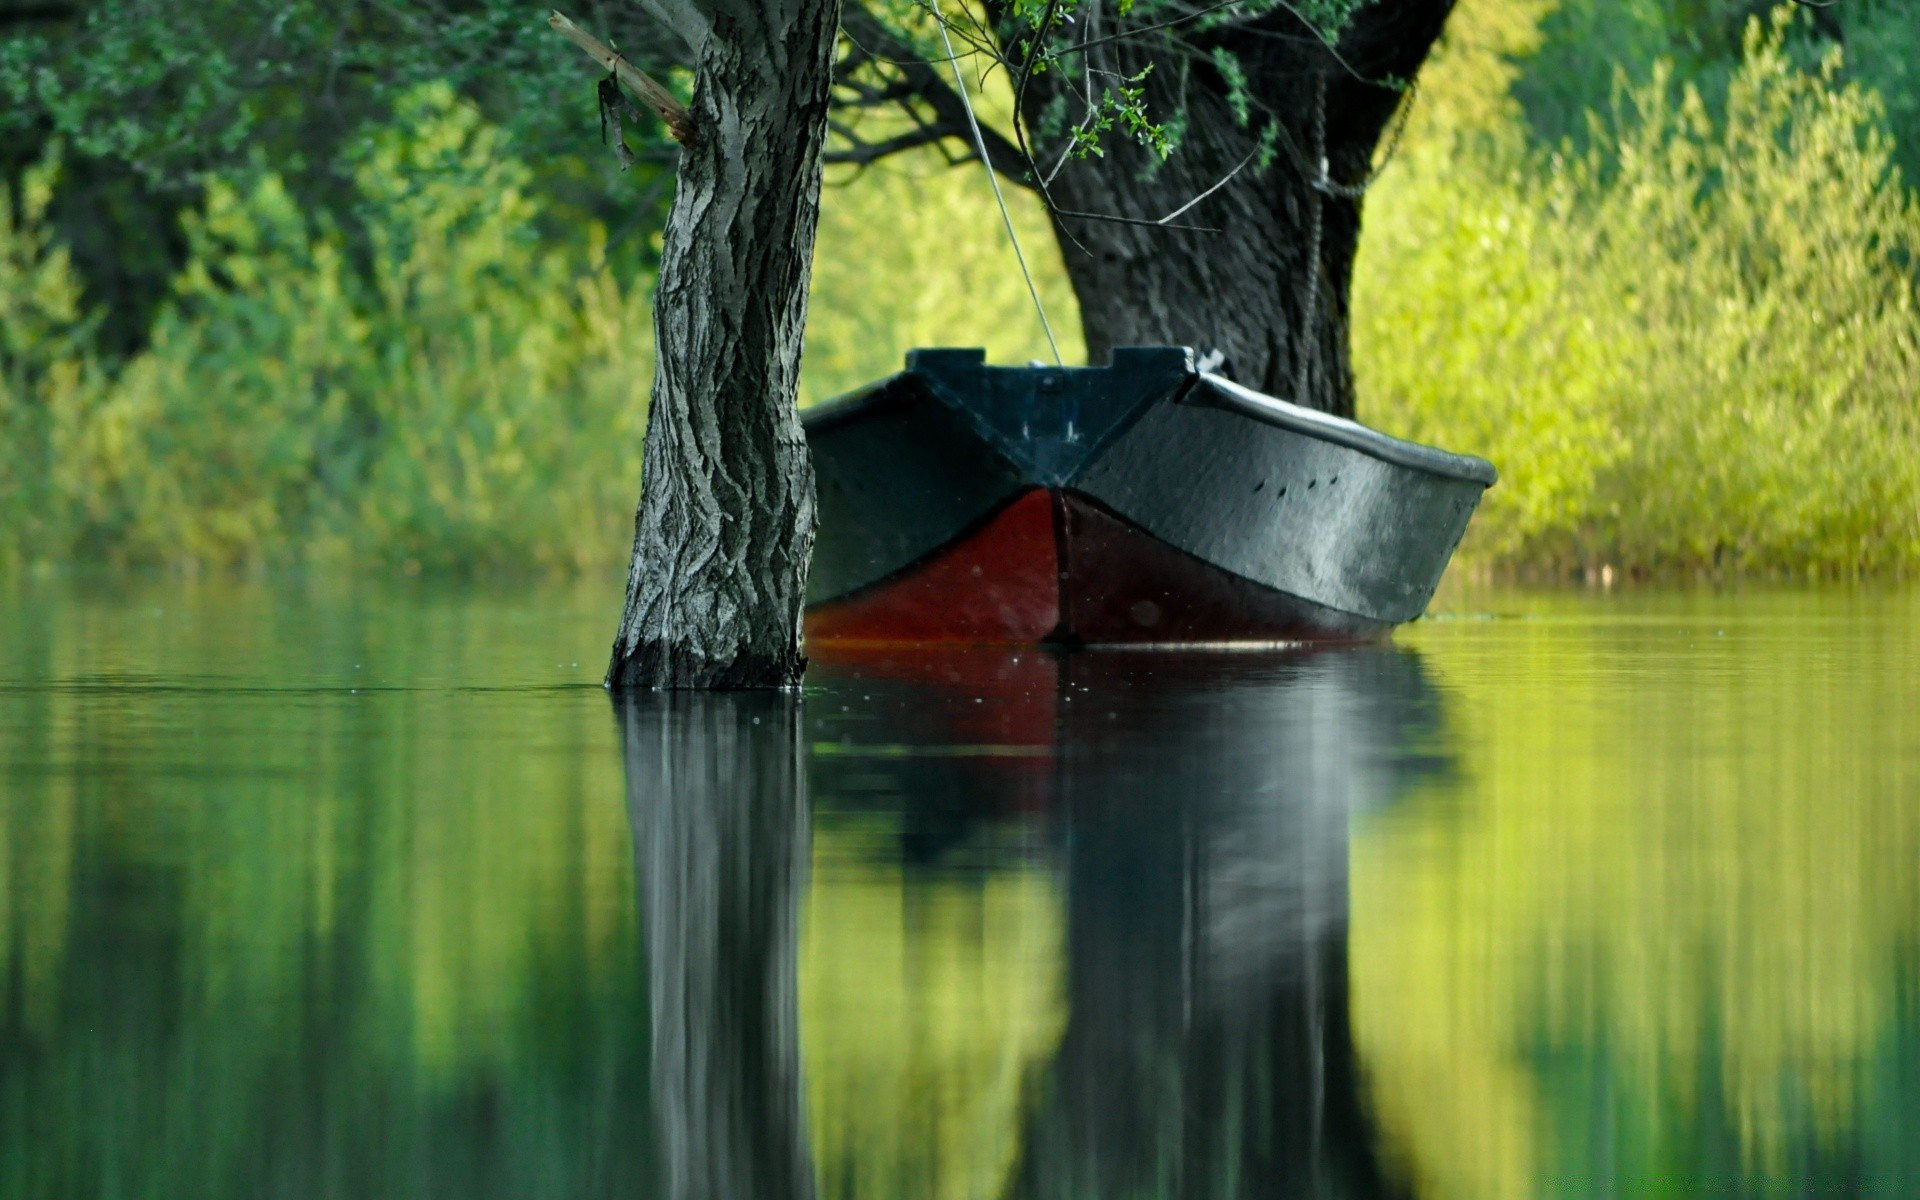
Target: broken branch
x=657 y=97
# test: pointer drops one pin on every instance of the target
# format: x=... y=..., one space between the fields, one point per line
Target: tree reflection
x=714 y=789
x=1199 y=805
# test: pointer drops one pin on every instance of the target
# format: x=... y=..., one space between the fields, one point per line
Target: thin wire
x=980 y=144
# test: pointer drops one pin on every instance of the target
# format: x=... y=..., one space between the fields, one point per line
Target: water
x=309 y=892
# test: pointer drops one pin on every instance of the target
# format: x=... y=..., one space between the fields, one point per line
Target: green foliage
x=912 y=253
x=1045 y=37
x=45 y=368
x=472 y=397
x=1691 y=344
x=154 y=100
x=452 y=389
x=1122 y=105
x=182 y=87
x=1703 y=39
x=1228 y=64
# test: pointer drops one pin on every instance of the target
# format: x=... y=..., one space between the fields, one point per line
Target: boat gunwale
x=1206 y=389
x=1229 y=396
x=845 y=407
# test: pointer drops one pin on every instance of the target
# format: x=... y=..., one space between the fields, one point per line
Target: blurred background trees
x=1686 y=331
x=353 y=280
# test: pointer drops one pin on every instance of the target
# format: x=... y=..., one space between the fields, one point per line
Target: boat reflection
x=1208 y=1051
x=1195 y=807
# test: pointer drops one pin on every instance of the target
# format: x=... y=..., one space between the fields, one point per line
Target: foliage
x=1685 y=336
x=1690 y=344
x=183 y=88
x=1466 y=89
x=470 y=396
x=912 y=253
x=1703 y=39
x=154 y=100
x=44 y=364
x=473 y=397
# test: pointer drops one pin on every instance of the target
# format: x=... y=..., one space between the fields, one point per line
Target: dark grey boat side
x=1322 y=510
x=898 y=474
x=1316 y=506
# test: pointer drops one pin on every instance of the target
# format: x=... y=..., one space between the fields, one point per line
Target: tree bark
x=1259 y=290
x=726 y=517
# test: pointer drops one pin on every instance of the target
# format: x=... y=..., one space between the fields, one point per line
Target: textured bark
x=719 y=810
x=1255 y=291
x=726 y=516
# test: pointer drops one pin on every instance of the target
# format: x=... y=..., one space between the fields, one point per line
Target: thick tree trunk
x=1264 y=291
x=725 y=523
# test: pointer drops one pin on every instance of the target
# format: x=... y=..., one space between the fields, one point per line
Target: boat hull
x=1056 y=567
x=1141 y=503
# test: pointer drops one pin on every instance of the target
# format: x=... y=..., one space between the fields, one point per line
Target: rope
x=1310 y=275
x=1354 y=191
x=980 y=144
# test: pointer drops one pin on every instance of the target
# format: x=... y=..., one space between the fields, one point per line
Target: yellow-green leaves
x=45 y=369
x=1690 y=345
x=912 y=254
x=471 y=396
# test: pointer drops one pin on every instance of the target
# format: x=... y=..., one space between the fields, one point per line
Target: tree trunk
x=1264 y=290
x=726 y=516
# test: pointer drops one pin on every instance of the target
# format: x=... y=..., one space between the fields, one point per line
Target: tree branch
x=920 y=77
x=657 y=97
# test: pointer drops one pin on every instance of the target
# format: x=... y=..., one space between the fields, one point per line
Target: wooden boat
x=1142 y=502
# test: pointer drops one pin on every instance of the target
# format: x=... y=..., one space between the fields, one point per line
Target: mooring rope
x=1316 y=217
x=980 y=144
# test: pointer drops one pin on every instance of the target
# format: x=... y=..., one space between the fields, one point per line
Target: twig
x=657 y=97
x=1116 y=220
x=1224 y=180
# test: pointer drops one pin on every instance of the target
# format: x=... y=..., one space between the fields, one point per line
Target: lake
x=316 y=891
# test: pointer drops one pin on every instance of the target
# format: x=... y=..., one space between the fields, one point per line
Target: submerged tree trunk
x=726 y=516
x=1264 y=290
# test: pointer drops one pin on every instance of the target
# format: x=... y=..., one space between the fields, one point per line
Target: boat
x=1144 y=502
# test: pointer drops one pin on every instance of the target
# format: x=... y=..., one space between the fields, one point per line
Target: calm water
x=321 y=893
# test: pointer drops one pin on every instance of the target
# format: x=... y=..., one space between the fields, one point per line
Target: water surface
x=312 y=891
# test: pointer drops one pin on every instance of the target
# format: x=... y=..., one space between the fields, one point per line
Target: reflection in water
x=1208 y=1053
x=1663 y=932
x=341 y=940
x=310 y=896
x=719 y=830
x=1199 y=806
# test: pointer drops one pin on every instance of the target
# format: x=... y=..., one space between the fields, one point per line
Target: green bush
x=913 y=253
x=470 y=397
x=1691 y=345
x=46 y=371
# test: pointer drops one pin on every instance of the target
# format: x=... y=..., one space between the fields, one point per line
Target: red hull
x=1054 y=566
